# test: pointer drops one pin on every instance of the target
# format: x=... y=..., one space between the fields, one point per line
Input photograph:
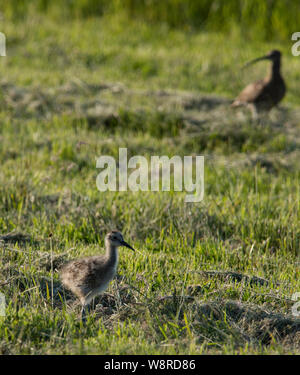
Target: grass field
x=214 y=277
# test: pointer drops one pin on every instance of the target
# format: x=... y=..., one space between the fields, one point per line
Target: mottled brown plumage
x=266 y=93
x=90 y=276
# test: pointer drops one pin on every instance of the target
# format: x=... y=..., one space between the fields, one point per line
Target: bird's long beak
x=256 y=60
x=123 y=243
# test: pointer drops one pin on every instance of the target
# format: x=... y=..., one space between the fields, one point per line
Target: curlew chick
x=90 y=276
x=266 y=93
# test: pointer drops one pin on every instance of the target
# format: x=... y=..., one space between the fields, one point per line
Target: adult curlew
x=90 y=276
x=266 y=93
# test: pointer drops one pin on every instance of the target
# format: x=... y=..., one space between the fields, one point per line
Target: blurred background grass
x=264 y=20
x=186 y=45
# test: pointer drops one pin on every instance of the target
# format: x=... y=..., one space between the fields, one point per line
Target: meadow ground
x=212 y=277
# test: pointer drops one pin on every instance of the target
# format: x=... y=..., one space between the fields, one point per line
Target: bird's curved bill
x=127 y=245
x=255 y=61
